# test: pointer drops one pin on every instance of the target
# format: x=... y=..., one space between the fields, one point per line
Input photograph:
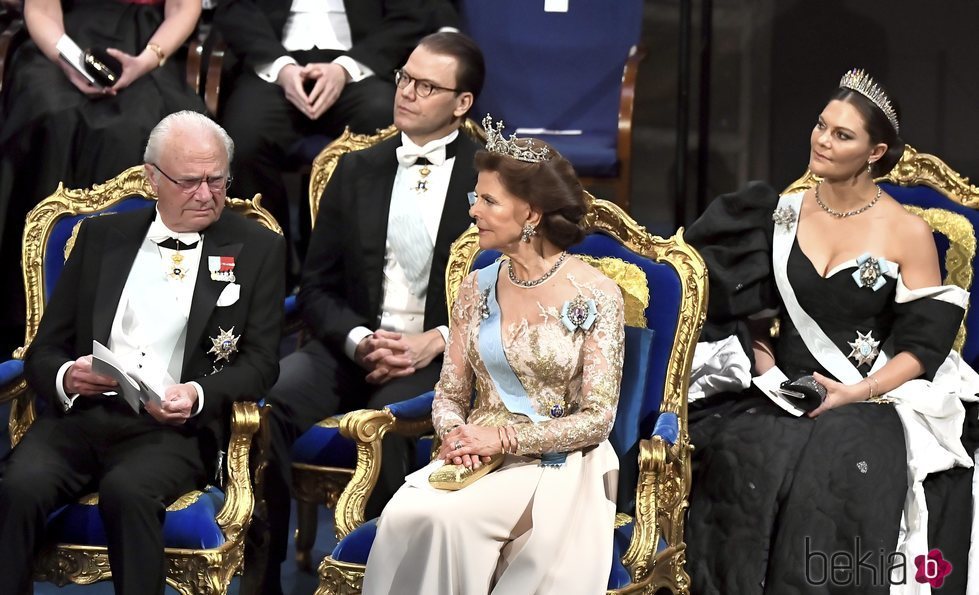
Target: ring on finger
x=457 y=445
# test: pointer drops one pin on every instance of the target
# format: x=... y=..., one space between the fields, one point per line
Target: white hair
x=183 y=120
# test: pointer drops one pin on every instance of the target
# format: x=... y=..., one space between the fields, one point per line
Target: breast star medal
x=864 y=349
x=224 y=345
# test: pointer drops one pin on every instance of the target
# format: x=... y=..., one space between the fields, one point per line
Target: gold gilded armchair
x=218 y=518
x=928 y=187
x=323 y=460
x=664 y=286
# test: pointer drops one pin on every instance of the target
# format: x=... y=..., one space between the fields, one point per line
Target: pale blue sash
x=508 y=386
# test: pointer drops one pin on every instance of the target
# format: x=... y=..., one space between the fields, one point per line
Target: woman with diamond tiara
x=871 y=435
x=539 y=336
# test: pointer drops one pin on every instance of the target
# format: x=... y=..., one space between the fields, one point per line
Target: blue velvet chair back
x=928 y=187
x=557 y=71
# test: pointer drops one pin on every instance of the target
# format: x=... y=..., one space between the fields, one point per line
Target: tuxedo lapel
x=455 y=214
x=207 y=290
x=372 y=204
x=122 y=243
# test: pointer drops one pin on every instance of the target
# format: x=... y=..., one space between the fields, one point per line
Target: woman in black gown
x=55 y=126
x=831 y=501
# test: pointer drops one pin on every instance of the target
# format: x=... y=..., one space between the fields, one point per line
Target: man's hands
x=81 y=380
x=329 y=80
x=387 y=355
x=179 y=402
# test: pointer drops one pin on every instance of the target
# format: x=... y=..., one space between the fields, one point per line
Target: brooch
x=864 y=349
x=222 y=268
x=870 y=272
x=484 y=305
x=784 y=217
x=578 y=313
x=224 y=345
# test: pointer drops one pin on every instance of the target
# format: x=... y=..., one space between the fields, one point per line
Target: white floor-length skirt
x=521 y=529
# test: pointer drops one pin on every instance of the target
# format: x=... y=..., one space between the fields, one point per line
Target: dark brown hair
x=878 y=127
x=470 y=65
x=549 y=186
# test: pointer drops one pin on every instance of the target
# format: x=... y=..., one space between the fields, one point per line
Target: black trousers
x=137 y=465
x=264 y=126
x=315 y=383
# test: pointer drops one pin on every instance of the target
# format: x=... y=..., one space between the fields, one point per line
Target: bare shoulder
x=912 y=231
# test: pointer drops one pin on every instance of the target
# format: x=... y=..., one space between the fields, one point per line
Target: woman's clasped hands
x=470 y=445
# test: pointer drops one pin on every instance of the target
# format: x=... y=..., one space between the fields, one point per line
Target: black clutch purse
x=805 y=392
x=102 y=67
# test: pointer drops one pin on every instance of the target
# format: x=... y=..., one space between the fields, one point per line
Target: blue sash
x=507 y=385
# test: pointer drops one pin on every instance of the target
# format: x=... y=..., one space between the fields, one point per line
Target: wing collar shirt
x=402 y=308
x=149 y=330
x=315 y=24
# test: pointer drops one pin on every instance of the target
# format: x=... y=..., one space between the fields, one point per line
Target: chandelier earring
x=527 y=233
x=870 y=168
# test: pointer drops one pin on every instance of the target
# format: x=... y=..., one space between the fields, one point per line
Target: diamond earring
x=527 y=233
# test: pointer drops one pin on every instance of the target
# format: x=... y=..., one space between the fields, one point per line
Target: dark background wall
x=774 y=63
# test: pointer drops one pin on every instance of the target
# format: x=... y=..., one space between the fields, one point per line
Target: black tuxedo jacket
x=383 y=31
x=85 y=300
x=342 y=283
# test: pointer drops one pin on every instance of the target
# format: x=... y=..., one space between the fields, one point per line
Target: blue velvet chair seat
x=188 y=527
x=324 y=446
x=11 y=370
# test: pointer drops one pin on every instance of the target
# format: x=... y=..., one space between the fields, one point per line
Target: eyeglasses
x=423 y=88
x=189 y=186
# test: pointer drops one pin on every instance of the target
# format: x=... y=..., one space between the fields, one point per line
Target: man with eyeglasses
x=188 y=297
x=373 y=286
x=305 y=68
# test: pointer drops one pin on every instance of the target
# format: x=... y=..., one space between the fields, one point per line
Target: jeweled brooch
x=557 y=410
x=865 y=348
x=870 y=272
x=784 y=217
x=578 y=313
x=224 y=345
x=484 y=305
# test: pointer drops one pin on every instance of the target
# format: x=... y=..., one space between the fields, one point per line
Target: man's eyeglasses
x=423 y=88
x=189 y=186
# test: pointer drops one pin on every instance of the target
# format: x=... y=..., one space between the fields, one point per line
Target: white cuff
x=200 y=397
x=444 y=331
x=354 y=337
x=270 y=72
x=355 y=69
x=66 y=401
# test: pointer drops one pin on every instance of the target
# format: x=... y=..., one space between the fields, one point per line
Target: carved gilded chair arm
x=365 y=427
x=239 y=498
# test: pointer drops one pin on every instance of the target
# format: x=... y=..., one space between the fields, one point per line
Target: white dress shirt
x=401 y=310
x=316 y=24
x=149 y=328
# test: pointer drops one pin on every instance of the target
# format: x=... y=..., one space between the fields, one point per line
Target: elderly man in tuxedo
x=144 y=284
x=308 y=67
x=373 y=286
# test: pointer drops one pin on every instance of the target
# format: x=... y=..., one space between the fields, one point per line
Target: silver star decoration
x=864 y=349
x=224 y=345
x=784 y=216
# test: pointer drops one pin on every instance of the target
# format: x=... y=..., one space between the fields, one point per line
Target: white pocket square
x=229 y=295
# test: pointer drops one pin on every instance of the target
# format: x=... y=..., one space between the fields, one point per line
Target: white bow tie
x=159 y=232
x=409 y=153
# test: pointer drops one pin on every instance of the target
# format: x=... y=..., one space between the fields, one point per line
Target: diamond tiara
x=521 y=149
x=861 y=82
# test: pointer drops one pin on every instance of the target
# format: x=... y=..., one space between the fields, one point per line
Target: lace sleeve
x=601 y=375
x=453 y=391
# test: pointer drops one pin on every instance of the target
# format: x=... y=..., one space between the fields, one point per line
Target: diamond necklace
x=538 y=281
x=844 y=214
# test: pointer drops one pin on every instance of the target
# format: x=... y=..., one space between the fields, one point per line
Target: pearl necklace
x=844 y=214
x=538 y=281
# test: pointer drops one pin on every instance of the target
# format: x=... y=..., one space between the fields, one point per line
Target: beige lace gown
x=524 y=528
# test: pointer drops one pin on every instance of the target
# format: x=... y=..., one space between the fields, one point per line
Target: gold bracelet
x=503 y=444
x=870 y=389
x=512 y=435
x=159 y=53
x=876 y=386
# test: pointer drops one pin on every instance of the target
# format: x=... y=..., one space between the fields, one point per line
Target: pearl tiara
x=522 y=149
